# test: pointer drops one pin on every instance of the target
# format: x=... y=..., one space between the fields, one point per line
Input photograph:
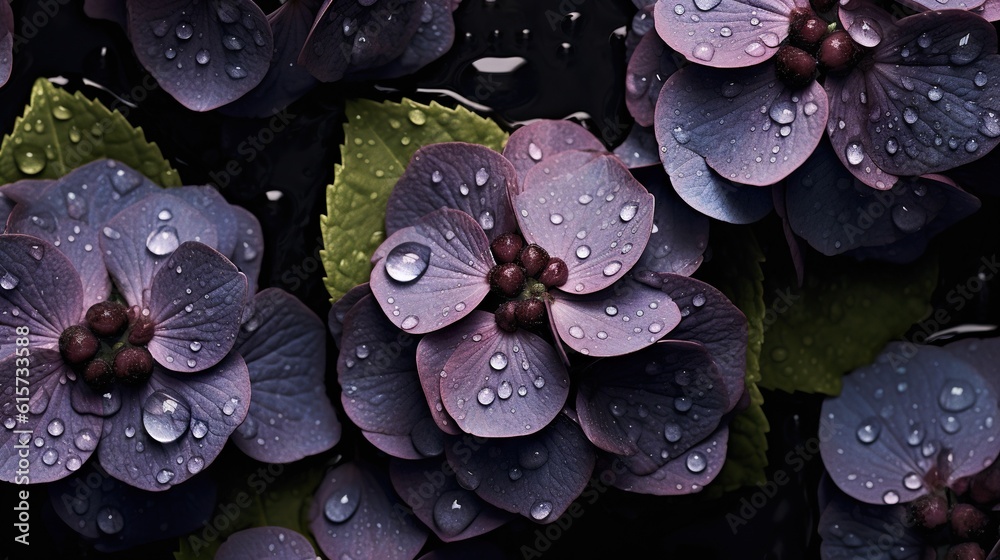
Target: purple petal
x=981 y=353
x=339 y=309
x=708 y=192
x=395 y=446
x=639 y=148
x=6 y=205
x=196 y=301
x=846 y=130
x=349 y=34
x=284 y=346
x=173 y=427
x=537 y=476
x=53 y=438
x=6 y=43
x=434 y=36
x=680 y=234
x=915 y=417
x=744 y=126
x=654 y=405
x=989 y=10
x=549 y=137
x=687 y=474
x=433 y=273
x=142 y=236
x=466 y=177
x=851 y=529
x=111 y=10
x=377 y=371
x=432 y=357
x=651 y=64
x=921 y=5
x=249 y=246
x=204 y=54
x=594 y=216
x=724 y=33
x=117 y=517
x=621 y=319
x=495 y=383
x=355 y=514
x=207 y=200
x=266 y=542
x=709 y=319
x=285 y=81
x=24 y=191
x=452 y=512
x=40 y=292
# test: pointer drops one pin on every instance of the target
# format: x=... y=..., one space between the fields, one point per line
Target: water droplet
x=85 y=440
x=909 y=217
x=576 y=332
x=195 y=464
x=755 y=49
x=514 y=473
x=236 y=71
x=698 y=300
x=7 y=280
x=486 y=396
x=541 y=510
x=956 y=396
x=407 y=261
x=161 y=27
x=29 y=160
x=910 y=115
x=229 y=407
x=110 y=520
x=679 y=10
x=498 y=361
x=417 y=117
x=199 y=429
x=482 y=176
x=696 y=462
x=612 y=268
x=165 y=416
x=436 y=176
x=682 y=404
x=184 y=30
x=556 y=219
x=950 y=424
x=56 y=428
x=680 y=135
x=782 y=112
x=703 y=51
x=454 y=511
x=912 y=481
x=890 y=498
x=409 y=322
x=534 y=152
x=672 y=433
x=582 y=251
x=163 y=240
x=972 y=145
x=486 y=220
x=164 y=476
x=342 y=504
x=585 y=199
x=869 y=430
x=855 y=153
x=232 y=43
x=611 y=310
x=628 y=211
x=981 y=79
x=935 y=94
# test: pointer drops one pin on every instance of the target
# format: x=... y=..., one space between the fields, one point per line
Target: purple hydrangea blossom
x=266 y=542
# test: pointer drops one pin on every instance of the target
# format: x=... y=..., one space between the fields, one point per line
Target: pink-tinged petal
x=290 y=415
x=686 y=474
x=747 y=125
x=40 y=292
x=53 y=440
x=639 y=149
x=466 y=177
x=339 y=309
x=433 y=273
x=654 y=405
x=196 y=301
x=278 y=543
x=432 y=356
x=6 y=43
x=725 y=33
x=498 y=384
x=536 y=476
x=711 y=320
x=355 y=513
x=916 y=418
x=989 y=10
x=594 y=216
x=173 y=427
x=204 y=54
x=651 y=64
x=621 y=319
x=680 y=234
x=249 y=247
x=452 y=512
x=534 y=142
x=396 y=446
x=138 y=239
x=377 y=372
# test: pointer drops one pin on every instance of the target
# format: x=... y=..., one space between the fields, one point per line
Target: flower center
x=813 y=45
x=522 y=277
x=110 y=346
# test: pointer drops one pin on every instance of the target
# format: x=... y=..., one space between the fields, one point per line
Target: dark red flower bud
x=505 y=316
x=133 y=365
x=507 y=278
x=533 y=258
x=795 y=67
x=78 y=345
x=966 y=551
x=555 y=273
x=838 y=52
x=530 y=312
x=507 y=247
x=806 y=31
x=967 y=522
x=98 y=374
x=142 y=331
x=107 y=318
x=929 y=511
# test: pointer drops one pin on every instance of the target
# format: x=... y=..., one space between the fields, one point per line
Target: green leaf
x=258 y=495
x=735 y=270
x=379 y=139
x=840 y=319
x=59 y=132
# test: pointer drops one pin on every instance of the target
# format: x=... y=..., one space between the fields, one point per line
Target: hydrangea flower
x=477 y=399
x=6 y=43
x=266 y=542
x=131 y=323
x=911 y=437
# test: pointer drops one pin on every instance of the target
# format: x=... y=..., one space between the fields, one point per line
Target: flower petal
x=549 y=137
x=290 y=415
x=651 y=64
x=433 y=273
x=278 y=543
x=687 y=474
x=139 y=238
x=639 y=149
x=356 y=514
x=725 y=33
x=207 y=200
x=745 y=123
x=654 y=405
x=537 y=476
x=846 y=128
x=618 y=320
x=706 y=191
x=249 y=246
x=396 y=446
x=196 y=301
x=339 y=309
x=452 y=512
x=680 y=234
x=204 y=54
x=590 y=212
x=40 y=292
x=377 y=372
x=170 y=429
x=916 y=415
x=53 y=438
x=466 y=177
x=434 y=36
x=495 y=383
x=6 y=43
x=857 y=530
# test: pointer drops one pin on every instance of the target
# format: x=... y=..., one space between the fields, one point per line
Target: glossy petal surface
x=549 y=138
x=687 y=474
x=651 y=64
x=680 y=234
x=433 y=37
x=6 y=43
x=851 y=530
x=339 y=309
x=266 y=542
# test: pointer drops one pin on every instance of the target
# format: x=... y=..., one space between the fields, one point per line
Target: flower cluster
x=132 y=312
x=912 y=439
x=524 y=321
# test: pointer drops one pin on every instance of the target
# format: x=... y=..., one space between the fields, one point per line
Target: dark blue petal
x=339 y=309
x=852 y=529
x=687 y=474
x=680 y=234
x=434 y=36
